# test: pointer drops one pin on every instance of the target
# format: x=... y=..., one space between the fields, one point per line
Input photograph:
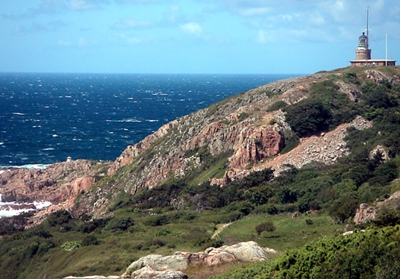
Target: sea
x=45 y=118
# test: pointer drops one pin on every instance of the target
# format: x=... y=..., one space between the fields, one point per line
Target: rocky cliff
x=58 y=184
x=243 y=127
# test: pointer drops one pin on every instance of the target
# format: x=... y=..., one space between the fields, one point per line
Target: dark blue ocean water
x=44 y=118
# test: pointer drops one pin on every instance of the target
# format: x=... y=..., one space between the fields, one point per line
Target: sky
x=192 y=36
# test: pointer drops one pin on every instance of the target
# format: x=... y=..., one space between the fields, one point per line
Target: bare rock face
x=133 y=151
x=381 y=149
x=240 y=126
x=325 y=148
x=59 y=183
x=367 y=212
x=380 y=77
x=156 y=266
x=158 y=262
x=254 y=145
x=94 y=277
x=149 y=273
x=245 y=251
x=350 y=90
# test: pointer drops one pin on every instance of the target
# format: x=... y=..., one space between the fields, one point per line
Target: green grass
x=186 y=231
x=290 y=233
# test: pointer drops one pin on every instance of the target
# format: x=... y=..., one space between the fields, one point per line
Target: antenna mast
x=386 y=58
x=367 y=9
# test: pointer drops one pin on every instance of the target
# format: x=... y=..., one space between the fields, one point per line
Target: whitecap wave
x=9 y=209
x=27 y=166
x=132 y=120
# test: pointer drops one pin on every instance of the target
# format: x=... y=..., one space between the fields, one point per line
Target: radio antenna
x=367 y=9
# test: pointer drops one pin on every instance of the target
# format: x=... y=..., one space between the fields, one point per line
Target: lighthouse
x=363 y=52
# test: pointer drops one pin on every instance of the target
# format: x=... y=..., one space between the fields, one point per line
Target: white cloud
x=192 y=28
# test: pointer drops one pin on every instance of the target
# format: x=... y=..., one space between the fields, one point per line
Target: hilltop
x=318 y=145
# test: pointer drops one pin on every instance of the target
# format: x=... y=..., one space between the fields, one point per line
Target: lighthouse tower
x=362 y=51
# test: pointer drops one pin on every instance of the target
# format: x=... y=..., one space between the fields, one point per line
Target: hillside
x=315 y=147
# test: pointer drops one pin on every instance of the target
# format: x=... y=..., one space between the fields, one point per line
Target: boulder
x=367 y=212
x=244 y=251
x=149 y=273
x=157 y=266
x=94 y=277
x=159 y=263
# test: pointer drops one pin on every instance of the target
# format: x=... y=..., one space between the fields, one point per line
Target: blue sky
x=192 y=36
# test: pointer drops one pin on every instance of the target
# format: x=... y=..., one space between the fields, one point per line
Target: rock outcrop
x=58 y=184
x=157 y=266
x=367 y=212
x=379 y=77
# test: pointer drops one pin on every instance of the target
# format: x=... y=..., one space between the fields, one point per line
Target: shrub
x=272 y=209
x=40 y=232
x=30 y=250
x=265 y=227
x=60 y=217
x=93 y=225
x=307 y=117
x=246 y=207
x=242 y=116
x=90 y=240
x=70 y=245
x=344 y=208
x=277 y=105
x=163 y=232
x=387 y=217
x=157 y=221
x=351 y=78
x=44 y=247
x=157 y=243
x=120 y=224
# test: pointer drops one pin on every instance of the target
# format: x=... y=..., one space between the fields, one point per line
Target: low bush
x=277 y=105
x=267 y=226
x=119 y=224
x=93 y=225
x=90 y=240
x=70 y=245
x=60 y=217
x=155 y=221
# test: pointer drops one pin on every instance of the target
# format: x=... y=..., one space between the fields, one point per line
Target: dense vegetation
x=373 y=254
x=182 y=214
